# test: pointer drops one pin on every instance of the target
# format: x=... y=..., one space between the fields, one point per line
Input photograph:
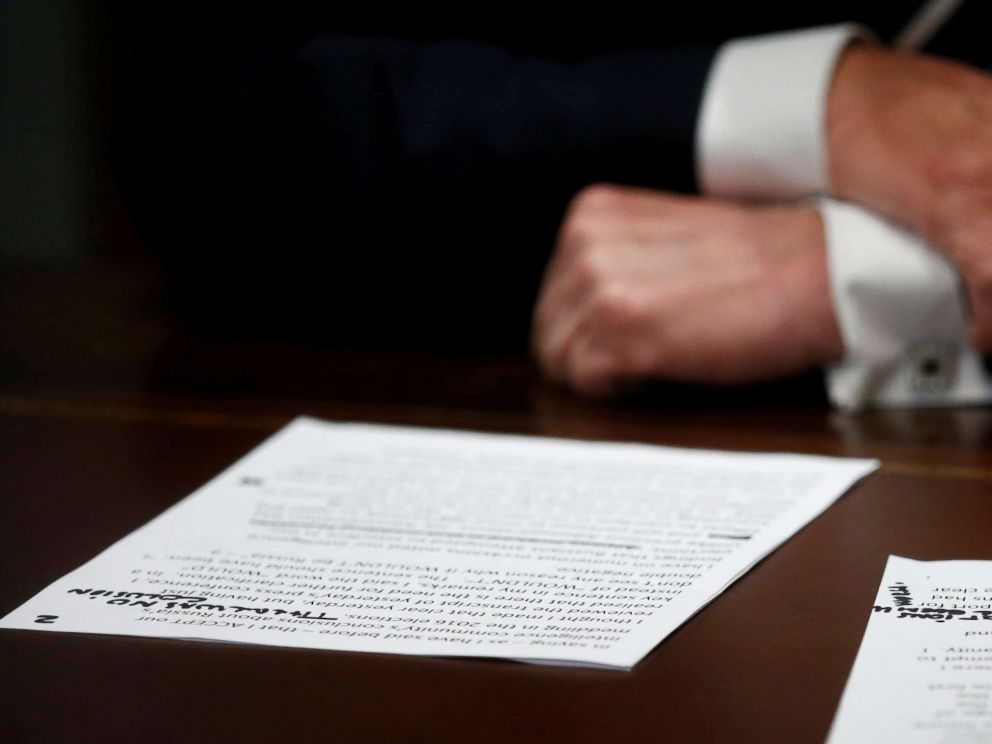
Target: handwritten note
x=924 y=670
x=413 y=541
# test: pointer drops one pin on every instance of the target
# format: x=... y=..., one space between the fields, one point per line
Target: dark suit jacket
x=399 y=177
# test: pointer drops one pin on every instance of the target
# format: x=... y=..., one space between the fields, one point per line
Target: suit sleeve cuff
x=902 y=315
x=761 y=130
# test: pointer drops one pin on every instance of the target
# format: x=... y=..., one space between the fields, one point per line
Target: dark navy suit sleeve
x=362 y=146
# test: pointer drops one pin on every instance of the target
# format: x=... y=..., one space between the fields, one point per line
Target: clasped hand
x=644 y=284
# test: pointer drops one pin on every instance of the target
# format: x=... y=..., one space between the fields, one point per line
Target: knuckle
x=592 y=215
x=543 y=315
x=597 y=197
x=590 y=269
x=614 y=306
x=641 y=359
x=546 y=360
x=593 y=386
x=578 y=231
x=547 y=342
x=592 y=373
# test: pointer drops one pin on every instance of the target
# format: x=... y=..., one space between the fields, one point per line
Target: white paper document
x=924 y=670
x=416 y=541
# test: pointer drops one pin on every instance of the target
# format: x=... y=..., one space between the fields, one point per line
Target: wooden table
x=91 y=453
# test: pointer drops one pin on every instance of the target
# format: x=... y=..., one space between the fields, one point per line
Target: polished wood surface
x=104 y=426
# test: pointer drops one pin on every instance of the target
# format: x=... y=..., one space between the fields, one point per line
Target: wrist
x=848 y=117
x=806 y=281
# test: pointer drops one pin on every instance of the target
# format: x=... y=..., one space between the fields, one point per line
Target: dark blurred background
x=86 y=309
x=80 y=298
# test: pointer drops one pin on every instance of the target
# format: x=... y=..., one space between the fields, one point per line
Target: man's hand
x=644 y=284
x=911 y=137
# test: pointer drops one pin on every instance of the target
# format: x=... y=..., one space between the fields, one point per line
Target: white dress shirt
x=899 y=304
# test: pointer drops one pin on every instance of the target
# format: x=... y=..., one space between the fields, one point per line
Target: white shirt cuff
x=761 y=131
x=902 y=315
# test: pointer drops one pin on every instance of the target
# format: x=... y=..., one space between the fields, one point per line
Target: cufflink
x=933 y=367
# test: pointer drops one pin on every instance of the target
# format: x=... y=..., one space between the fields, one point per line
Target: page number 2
x=46 y=619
